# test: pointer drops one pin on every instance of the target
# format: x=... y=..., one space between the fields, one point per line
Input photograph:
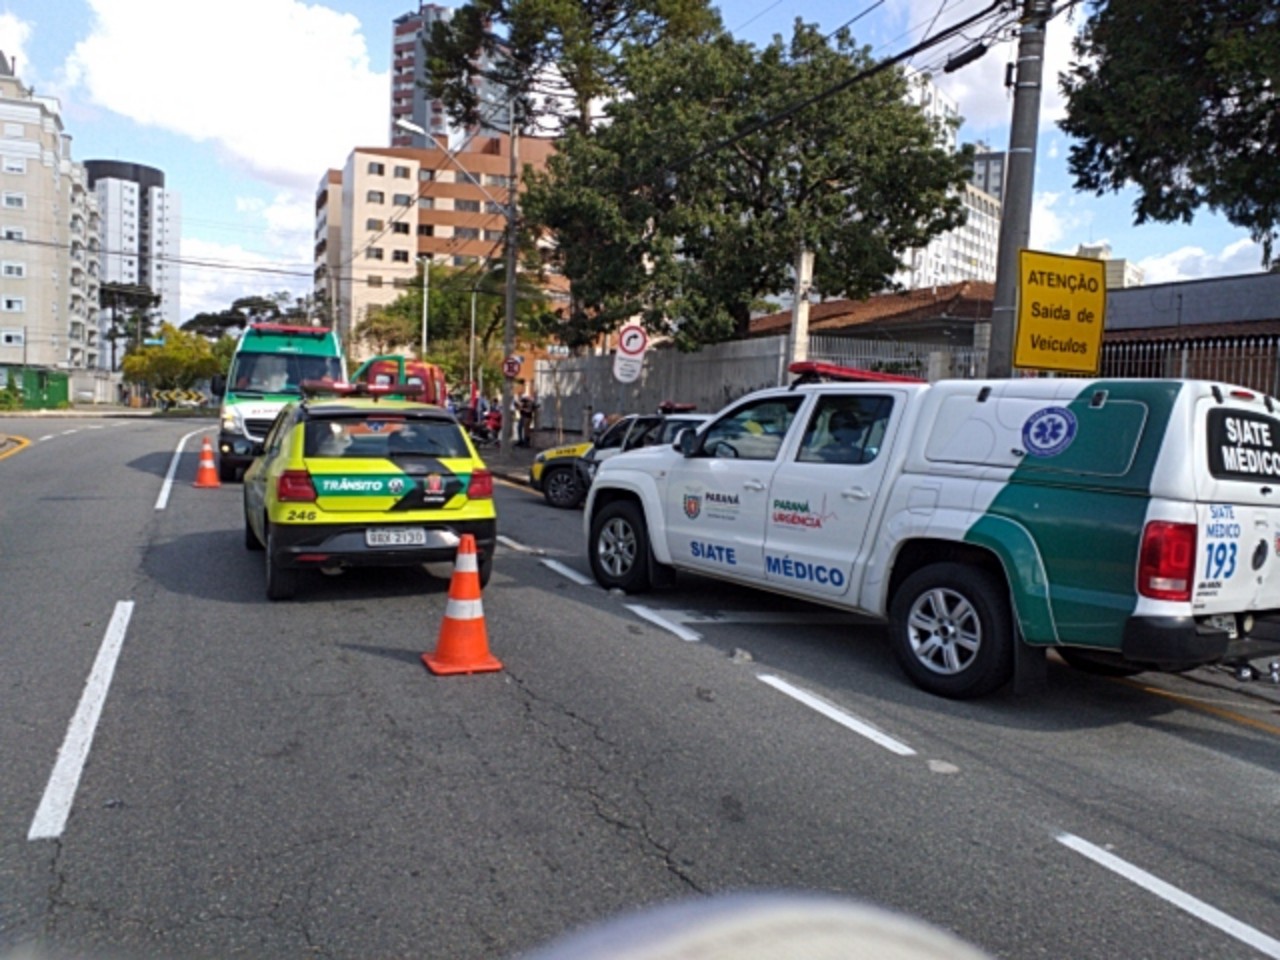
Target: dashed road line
x=760 y=616
x=47 y=436
x=684 y=633
x=67 y=433
x=1268 y=946
x=520 y=547
x=832 y=712
x=60 y=793
x=162 y=500
x=580 y=579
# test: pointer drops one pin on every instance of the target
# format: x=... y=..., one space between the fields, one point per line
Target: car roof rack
x=812 y=371
x=670 y=406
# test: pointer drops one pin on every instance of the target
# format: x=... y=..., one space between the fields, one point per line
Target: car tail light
x=481 y=486
x=295 y=486
x=1166 y=566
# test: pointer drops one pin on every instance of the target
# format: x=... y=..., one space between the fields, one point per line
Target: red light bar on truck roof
x=811 y=371
x=319 y=388
x=290 y=329
x=670 y=406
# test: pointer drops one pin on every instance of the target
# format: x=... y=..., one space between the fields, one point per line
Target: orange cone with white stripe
x=463 y=646
x=207 y=475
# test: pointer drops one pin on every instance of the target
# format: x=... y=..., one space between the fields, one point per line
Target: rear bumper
x=1178 y=642
x=319 y=545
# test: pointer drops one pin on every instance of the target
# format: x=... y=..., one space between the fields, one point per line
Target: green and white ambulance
x=1128 y=524
x=271 y=362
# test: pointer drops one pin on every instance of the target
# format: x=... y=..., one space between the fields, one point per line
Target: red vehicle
x=393 y=368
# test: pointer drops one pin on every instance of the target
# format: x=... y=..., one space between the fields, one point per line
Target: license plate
x=1224 y=621
x=399 y=537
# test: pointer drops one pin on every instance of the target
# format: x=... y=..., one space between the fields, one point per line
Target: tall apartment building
x=141 y=233
x=409 y=101
x=1120 y=273
x=48 y=238
x=989 y=170
x=969 y=251
x=399 y=205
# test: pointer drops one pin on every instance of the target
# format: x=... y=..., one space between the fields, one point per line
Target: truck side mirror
x=687 y=442
x=218 y=385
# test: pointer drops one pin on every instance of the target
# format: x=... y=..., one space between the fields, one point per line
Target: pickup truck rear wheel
x=282 y=581
x=952 y=630
x=561 y=488
x=620 y=547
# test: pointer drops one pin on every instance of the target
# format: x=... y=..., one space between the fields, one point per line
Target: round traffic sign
x=632 y=340
x=511 y=367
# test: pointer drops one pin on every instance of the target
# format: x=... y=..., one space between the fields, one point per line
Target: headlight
x=540 y=458
x=229 y=423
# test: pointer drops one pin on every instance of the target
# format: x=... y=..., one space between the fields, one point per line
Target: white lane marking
x=67 y=433
x=55 y=806
x=47 y=436
x=684 y=633
x=520 y=547
x=848 y=720
x=762 y=616
x=162 y=501
x=95 y=427
x=1259 y=941
x=580 y=579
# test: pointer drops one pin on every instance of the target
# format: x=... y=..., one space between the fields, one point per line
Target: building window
x=467 y=206
x=373 y=253
x=14 y=270
x=496 y=180
x=373 y=223
x=15 y=201
x=494 y=235
x=425 y=230
x=425 y=174
x=402 y=173
x=13 y=305
x=376 y=169
x=375 y=196
x=13 y=233
x=399 y=227
x=402 y=200
x=466 y=233
x=400 y=256
x=14 y=130
x=15 y=165
x=426 y=203
x=374 y=281
x=491 y=207
x=463 y=261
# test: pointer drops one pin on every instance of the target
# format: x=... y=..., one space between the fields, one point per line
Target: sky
x=245 y=104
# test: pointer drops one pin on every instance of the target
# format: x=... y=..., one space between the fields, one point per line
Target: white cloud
x=284 y=90
x=14 y=34
x=215 y=275
x=1053 y=221
x=1191 y=263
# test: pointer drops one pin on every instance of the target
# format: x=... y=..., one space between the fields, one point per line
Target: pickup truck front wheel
x=620 y=547
x=952 y=631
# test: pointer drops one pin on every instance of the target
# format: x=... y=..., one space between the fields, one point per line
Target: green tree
x=687 y=209
x=184 y=359
x=279 y=307
x=1179 y=98
x=130 y=306
x=554 y=58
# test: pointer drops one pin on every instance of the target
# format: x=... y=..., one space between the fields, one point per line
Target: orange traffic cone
x=207 y=475
x=463 y=646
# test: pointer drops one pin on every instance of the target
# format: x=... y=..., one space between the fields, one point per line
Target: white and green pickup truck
x=1128 y=524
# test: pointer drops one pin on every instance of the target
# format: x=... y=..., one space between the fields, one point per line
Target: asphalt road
x=271 y=780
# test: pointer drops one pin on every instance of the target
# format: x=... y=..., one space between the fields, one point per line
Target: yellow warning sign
x=1062 y=304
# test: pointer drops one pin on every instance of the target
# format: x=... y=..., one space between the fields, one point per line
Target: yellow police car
x=365 y=478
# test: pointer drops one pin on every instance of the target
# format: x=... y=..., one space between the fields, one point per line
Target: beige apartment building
x=49 y=242
x=389 y=208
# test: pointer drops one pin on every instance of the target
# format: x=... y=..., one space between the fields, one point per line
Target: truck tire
x=226 y=472
x=619 y=547
x=952 y=630
x=486 y=568
x=282 y=582
x=251 y=541
x=561 y=488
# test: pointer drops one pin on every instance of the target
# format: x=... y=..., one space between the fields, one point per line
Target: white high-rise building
x=48 y=238
x=409 y=100
x=141 y=232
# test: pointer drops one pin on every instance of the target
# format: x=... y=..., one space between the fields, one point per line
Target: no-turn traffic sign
x=632 y=340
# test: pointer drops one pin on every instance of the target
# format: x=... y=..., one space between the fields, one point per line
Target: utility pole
x=798 y=343
x=426 y=294
x=509 y=327
x=1020 y=170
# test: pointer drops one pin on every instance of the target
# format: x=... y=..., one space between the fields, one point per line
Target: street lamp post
x=426 y=300
x=509 y=325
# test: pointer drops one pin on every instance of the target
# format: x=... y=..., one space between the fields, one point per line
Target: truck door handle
x=855 y=493
x=753 y=485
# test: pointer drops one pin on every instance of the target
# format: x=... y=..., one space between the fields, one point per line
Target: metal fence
x=1252 y=362
x=929 y=361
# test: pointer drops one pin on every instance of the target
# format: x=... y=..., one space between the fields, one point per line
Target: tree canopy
x=179 y=363
x=279 y=306
x=555 y=59
x=1179 y=98
x=686 y=208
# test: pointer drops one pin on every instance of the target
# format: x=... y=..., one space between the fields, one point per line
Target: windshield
x=384 y=437
x=279 y=373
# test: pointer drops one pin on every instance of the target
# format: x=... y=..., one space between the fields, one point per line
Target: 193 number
x=1220 y=561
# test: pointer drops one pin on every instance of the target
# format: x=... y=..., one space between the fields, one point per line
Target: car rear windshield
x=351 y=437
